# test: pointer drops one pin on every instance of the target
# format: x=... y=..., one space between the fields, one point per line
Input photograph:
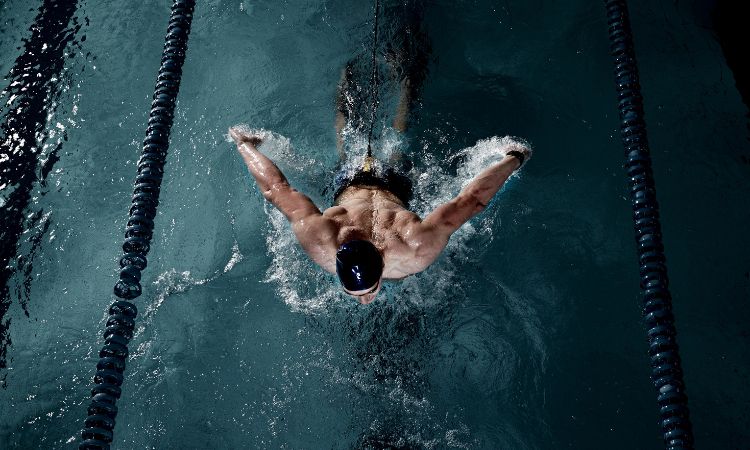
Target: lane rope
x=99 y=426
x=666 y=369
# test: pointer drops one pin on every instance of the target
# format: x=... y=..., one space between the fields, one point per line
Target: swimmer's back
x=378 y=216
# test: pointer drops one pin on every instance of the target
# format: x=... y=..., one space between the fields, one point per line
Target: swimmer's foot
x=241 y=136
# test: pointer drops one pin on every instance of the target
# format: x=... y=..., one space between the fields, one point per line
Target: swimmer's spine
x=666 y=370
x=100 y=423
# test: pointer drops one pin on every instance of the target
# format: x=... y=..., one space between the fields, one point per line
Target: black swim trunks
x=383 y=177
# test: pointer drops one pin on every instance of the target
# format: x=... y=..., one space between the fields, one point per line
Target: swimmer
x=369 y=234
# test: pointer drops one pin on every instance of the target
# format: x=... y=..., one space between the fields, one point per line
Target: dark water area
x=525 y=335
x=729 y=25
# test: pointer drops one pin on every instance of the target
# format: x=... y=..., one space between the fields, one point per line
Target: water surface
x=525 y=334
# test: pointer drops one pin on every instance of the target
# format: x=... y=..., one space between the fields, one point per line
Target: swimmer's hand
x=241 y=136
x=517 y=147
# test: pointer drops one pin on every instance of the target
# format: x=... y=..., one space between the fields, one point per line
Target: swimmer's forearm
x=490 y=180
x=267 y=175
x=472 y=199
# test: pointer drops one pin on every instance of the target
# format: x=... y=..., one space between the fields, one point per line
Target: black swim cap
x=358 y=265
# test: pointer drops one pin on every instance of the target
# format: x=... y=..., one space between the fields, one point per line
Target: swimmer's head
x=359 y=266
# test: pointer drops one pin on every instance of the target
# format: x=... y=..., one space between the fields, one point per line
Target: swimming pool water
x=526 y=334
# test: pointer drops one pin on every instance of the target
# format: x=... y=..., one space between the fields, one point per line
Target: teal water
x=526 y=334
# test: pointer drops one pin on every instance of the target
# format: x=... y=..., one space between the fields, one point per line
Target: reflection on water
x=30 y=140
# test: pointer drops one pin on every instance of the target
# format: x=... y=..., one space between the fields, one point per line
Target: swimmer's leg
x=411 y=78
x=343 y=108
x=408 y=59
x=401 y=122
x=405 y=99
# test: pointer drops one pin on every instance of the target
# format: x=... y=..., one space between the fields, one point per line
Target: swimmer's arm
x=427 y=238
x=473 y=199
x=314 y=232
x=274 y=186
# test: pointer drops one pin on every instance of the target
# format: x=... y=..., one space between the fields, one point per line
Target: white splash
x=174 y=281
x=171 y=282
x=236 y=257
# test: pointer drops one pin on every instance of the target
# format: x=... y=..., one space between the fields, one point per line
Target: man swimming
x=369 y=234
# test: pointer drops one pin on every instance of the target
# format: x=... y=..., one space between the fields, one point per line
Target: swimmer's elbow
x=274 y=192
x=474 y=203
x=479 y=206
